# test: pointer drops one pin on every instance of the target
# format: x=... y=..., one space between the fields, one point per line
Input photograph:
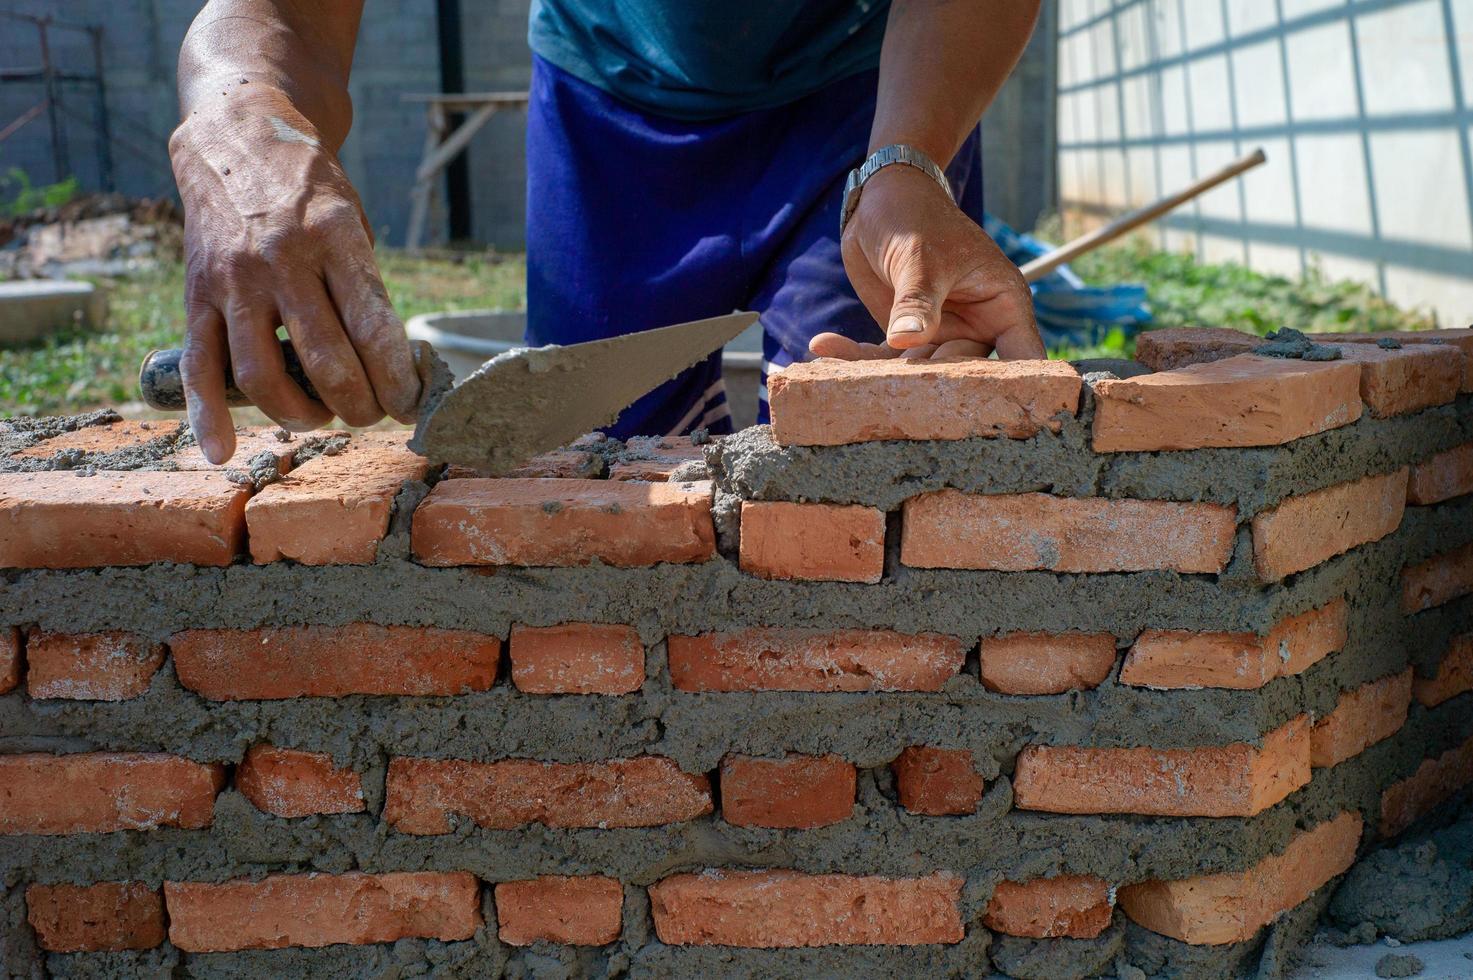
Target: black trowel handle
x=162 y=386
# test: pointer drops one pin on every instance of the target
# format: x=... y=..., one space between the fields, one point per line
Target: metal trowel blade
x=533 y=399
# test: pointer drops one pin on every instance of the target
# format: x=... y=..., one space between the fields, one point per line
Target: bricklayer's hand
x=927 y=271
x=274 y=234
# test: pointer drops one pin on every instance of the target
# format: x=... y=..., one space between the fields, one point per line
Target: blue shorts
x=637 y=221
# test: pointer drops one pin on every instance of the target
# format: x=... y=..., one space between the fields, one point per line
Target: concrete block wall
x=956 y=667
x=1362 y=108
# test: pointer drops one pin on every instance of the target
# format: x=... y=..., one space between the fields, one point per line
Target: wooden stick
x=1044 y=264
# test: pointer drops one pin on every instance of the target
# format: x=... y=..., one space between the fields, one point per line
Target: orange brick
x=1072 y=906
x=653 y=458
x=322 y=909
x=1399 y=382
x=828 y=542
x=331 y=661
x=648 y=791
x=106 y=917
x=830 y=402
x=1307 y=529
x=1442 y=477
x=1441 y=578
x=564 y=522
x=560 y=464
x=111 y=666
x=1236 y=780
x=577 y=658
x=813 y=660
x=1178 y=347
x=799 y=791
x=1165 y=659
x=1362 y=717
x=1461 y=338
x=334 y=510
x=1046 y=663
x=110 y=437
x=99 y=792
x=9 y=658
x=951 y=529
x=61 y=520
x=292 y=783
x=582 y=911
x=1434 y=782
x=1240 y=401
x=1232 y=907
x=250 y=442
x=778 y=909
x=937 y=782
x=1454 y=674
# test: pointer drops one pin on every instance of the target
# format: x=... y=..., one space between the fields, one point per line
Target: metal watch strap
x=879 y=160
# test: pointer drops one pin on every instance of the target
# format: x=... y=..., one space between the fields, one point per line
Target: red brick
x=321 y=910
x=99 y=792
x=645 y=792
x=9 y=658
x=111 y=666
x=292 y=783
x=1441 y=578
x=1236 y=780
x=1178 y=347
x=1433 y=783
x=830 y=402
x=796 y=792
x=564 y=522
x=1454 y=674
x=577 y=658
x=1046 y=663
x=1362 y=717
x=1399 y=382
x=582 y=911
x=813 y=660
x=1072 y=906
x=334 y=510
x=937 y=782
x=1165 y=659
x=828 y=542
x=1231 y=907
x=331 y=661
x=653 y=458
x=58 y=519
x=1461 y=338
x=1241 y=401
x=1442 y=477
x=106 y=917
x=109 y=437
x=1307 y=529
x=778 y=909
x=951 y=529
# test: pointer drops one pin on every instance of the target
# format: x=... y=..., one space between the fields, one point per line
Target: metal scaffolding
x=50 y=77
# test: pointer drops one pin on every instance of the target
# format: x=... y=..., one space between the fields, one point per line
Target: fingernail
x=908 y=324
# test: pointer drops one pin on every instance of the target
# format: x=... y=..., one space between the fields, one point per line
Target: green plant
x=28 y=197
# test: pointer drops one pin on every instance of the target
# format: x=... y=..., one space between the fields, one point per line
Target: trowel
x=517 y=404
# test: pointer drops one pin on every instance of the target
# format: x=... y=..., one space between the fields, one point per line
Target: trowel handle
x=162 y=386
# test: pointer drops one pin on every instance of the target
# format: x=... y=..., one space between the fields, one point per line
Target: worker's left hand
x=931 y=276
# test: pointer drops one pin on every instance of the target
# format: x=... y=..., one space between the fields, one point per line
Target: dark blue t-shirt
x=702 y=59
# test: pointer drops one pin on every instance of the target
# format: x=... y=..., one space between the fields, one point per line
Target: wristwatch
x=879 y=160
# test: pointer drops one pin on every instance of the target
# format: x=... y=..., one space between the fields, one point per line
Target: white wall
x=1364 y=107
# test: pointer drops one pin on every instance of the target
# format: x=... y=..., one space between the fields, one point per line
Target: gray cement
x=885 y=474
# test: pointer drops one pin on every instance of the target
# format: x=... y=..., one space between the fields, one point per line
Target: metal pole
x=53 y=105
x=104 y=134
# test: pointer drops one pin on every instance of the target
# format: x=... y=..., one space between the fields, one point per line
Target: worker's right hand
x=274 y=234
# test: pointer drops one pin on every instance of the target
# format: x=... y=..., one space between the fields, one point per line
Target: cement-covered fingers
x=275 y=236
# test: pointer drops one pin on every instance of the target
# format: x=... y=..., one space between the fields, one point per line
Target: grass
x=79 y=371
x=83 y=370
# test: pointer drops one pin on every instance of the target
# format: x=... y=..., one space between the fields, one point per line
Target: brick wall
x=997 y=669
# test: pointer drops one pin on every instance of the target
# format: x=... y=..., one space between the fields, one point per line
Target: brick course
x=1433 y=783
x=1442 y=477
x=1310 y=528
x=112 y=666
x=1440 y=579
x=99 y=792
x=106 y=917
x=813 y=660
x=1364 y=716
